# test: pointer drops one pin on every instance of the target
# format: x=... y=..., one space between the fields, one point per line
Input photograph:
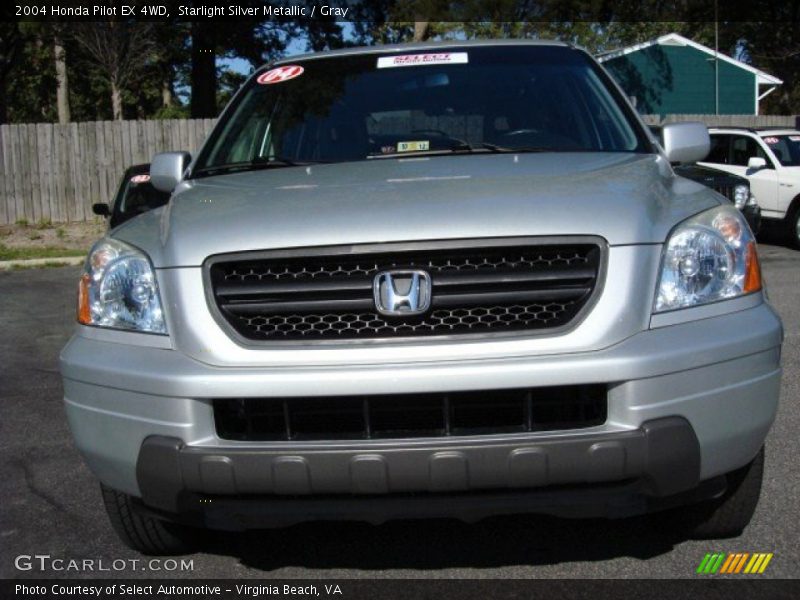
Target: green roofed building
x=674 y=75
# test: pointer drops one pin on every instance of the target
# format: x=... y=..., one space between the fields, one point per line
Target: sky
x=240 y=65
x=297 y=46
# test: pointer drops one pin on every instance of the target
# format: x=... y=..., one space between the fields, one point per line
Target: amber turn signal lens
x=752 y=269
x=84 y=315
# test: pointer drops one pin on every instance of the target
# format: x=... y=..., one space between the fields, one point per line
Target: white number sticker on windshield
x=413 y=60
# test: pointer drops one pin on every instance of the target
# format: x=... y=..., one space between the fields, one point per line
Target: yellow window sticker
x=417 y=146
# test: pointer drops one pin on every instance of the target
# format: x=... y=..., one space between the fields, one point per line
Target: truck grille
x=410 y=415
x=327 y=294
x=726 y=189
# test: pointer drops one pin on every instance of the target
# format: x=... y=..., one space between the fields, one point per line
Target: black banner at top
x=600 y=11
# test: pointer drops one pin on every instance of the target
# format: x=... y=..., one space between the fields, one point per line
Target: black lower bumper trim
x=602 y=474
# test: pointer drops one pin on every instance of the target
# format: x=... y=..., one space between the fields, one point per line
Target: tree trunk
x=62 y=82
x=420 y=31
x=10 y=45
x=116 y=101
x=204 y=73
x=167 y=98
x=3 y=102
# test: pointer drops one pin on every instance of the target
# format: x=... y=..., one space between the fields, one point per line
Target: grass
x=44 y=265
x=23 y=253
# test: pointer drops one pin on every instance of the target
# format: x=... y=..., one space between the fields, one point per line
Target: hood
x=709 y=176
x=624 y=198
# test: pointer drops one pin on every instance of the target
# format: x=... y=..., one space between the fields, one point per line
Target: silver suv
x=420 y=281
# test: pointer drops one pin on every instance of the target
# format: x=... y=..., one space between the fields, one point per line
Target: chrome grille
x=478 y=287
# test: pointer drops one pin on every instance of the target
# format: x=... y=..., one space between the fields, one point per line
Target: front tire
x=728 y=515
x=144 y=533
x=793 y=226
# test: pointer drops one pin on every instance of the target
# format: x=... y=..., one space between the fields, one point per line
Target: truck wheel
x=793 y=226
x=147 y=534
x=728 y=515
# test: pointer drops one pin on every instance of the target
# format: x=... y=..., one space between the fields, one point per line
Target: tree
x=169 y=59
x=119 y=49
x=204 y=70
x=62 y=79
x=11 y=43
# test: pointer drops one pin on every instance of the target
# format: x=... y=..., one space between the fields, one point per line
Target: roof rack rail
x=742 y=127
x=774 y=127
x=752 y=129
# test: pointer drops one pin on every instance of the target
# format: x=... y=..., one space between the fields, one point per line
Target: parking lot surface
x=51 y=502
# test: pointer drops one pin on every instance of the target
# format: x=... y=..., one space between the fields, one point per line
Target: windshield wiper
x=522 y=149
x=489 y=147
x=255 y=164
x=457 y=148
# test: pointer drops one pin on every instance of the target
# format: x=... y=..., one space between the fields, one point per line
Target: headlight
x=741 y=194
x=707 y=258
x=118 y=289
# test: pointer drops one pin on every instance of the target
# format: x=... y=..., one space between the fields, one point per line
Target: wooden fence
x=55 y=173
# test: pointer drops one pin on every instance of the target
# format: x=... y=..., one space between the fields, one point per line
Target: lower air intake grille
x=482 y=286
x=413 y=415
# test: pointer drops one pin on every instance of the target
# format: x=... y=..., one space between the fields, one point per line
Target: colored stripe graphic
x=737 y=562
x=765 y=563
x=718 y=563
x=752 y=563
x=757 y=566
x=703 y=563
x=741 y=562
x=728 y=562
x=711 y=563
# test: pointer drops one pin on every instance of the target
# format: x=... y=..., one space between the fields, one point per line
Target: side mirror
x=756 y=163
x=101 y=209
x=685 y=142
x=166 y=170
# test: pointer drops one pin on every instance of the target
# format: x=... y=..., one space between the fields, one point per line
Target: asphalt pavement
x=50 y=502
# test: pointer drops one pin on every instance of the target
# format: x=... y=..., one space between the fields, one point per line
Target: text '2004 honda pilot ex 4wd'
x=422 y=281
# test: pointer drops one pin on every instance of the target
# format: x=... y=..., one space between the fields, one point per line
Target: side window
x=743 y=148
x=720 y=146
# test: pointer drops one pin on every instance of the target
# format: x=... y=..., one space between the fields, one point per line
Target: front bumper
x=663 y=454
x=142 y=418
x=752 y=213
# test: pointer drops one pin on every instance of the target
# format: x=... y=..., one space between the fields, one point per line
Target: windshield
x=374 y=106
x=786 y=148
